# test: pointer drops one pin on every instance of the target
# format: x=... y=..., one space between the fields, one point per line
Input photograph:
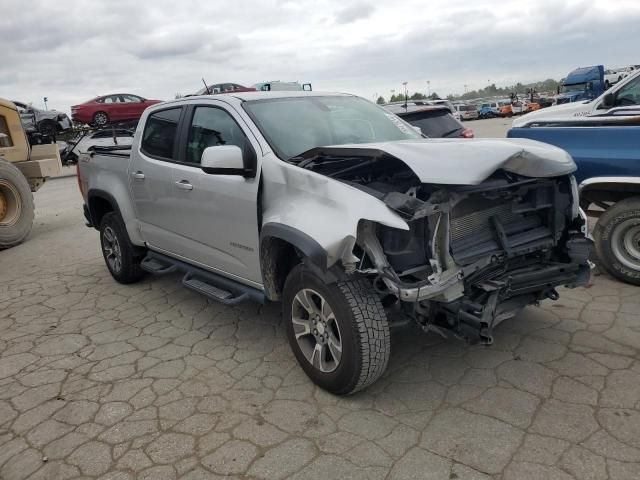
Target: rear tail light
x=467 y=133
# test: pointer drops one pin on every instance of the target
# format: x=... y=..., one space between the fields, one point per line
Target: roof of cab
x=7 y=103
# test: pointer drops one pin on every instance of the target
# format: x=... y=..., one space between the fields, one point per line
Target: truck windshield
x=294 y=125
x=576 y=87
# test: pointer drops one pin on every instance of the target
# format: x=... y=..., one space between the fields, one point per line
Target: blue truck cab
x=606 y=150
x=585 y=83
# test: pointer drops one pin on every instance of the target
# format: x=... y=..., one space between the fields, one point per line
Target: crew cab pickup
x=606 y=149
x=344 y=213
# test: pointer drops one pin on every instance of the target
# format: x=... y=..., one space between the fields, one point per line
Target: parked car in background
x=46 y=122
x=224 y=88
x=90 y=138
x=488 y=110
x=466 y=112
x=434 y=121
x=117 y=107
x=613 y=76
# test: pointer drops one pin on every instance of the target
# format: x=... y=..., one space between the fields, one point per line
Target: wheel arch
x=100 y=203
x=282 y=247
x=608 y=189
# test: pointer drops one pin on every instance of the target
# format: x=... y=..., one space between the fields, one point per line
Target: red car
x=117 y=107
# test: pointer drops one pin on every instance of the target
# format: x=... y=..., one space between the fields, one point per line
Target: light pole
x=428 y=88
x=45 y=102
x=406 y=94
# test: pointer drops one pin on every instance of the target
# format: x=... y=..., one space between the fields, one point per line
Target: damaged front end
x=474 y=255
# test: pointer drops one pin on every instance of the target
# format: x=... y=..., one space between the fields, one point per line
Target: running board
x=211 y=285
x=156 y=266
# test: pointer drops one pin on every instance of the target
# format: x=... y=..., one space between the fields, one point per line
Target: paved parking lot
x=150 y=381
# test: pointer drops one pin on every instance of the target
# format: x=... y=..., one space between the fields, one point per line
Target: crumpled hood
x=470 y=162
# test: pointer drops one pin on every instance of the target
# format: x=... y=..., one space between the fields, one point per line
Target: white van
x=466 y=112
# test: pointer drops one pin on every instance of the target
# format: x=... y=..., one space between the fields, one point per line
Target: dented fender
x=324 y=209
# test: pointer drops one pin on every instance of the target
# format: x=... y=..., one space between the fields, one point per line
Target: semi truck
x=23 y=170
x=585 y=83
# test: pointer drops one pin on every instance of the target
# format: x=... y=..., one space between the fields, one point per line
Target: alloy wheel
x=111 y=249
x=316 y=330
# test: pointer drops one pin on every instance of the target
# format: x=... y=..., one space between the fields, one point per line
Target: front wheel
x=617 y=240
x=338 y=332
x=121 y=256
x=16 y=206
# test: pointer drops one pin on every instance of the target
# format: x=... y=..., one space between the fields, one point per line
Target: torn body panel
x=456 y=247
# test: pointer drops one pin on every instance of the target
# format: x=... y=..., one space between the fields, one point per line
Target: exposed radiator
x=481 y=227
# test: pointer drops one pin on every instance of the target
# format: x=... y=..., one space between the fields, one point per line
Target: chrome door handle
x=138 y=175
x=184 y=185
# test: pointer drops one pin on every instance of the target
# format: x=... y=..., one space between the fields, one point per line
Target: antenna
x=206 y=86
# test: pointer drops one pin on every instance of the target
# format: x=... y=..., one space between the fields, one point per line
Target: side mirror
x=223 y=160
x=608 y=101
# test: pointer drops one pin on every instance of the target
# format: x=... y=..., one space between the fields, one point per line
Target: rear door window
x=160 y=133
x=435 y=124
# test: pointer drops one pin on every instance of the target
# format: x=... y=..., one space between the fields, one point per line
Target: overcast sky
x=72 y=50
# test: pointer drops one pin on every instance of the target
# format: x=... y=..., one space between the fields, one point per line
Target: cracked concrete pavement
x=151 y=381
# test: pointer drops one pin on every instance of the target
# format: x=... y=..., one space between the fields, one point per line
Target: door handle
x=184 y=185
x=138 y=174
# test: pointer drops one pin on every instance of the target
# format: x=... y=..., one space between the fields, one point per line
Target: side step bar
x=211 y=285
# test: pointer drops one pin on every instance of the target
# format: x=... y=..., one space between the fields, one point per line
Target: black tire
x=614 y=226
x=47 y=128
x=120 y=255
x=363 y=330
x=100 y=119
x=16 y=206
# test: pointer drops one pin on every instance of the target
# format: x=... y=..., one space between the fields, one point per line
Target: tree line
x=549 y=85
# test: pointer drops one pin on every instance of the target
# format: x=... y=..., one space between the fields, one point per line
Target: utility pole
x=428 y=88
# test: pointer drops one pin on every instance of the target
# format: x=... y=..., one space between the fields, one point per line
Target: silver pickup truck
x=344 y=213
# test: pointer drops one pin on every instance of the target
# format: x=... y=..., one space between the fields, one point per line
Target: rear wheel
x=338 y=332
x=617 y=240
x=100 y=119
x=121 y=256
x=16 y=206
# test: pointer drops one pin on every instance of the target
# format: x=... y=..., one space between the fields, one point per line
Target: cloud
x=355 y=12
x=72 y=50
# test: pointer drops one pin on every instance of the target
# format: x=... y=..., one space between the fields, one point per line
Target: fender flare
x=595 y=181
x=310 y=248
x=97 y=193
x=314 y=256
